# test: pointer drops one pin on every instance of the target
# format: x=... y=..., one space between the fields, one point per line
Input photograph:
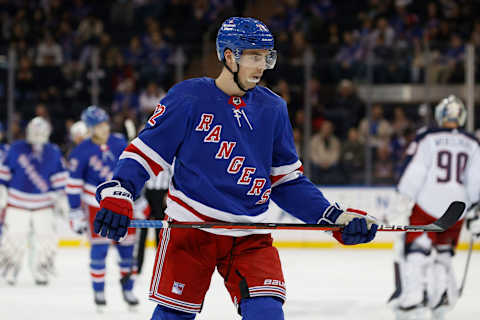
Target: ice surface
x=321 y=284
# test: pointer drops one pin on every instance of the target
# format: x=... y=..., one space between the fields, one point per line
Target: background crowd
x=137 y=41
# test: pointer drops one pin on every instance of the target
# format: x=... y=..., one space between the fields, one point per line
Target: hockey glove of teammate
x=473 y=224
x=359 y=226
x=78 y=223
x=116 y=210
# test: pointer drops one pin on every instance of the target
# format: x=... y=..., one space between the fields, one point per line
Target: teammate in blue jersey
x=32 y=187
x=229 y=145
x=3 y=192
x=91 y=163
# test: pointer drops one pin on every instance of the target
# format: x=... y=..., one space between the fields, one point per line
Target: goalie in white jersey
x=442 y=166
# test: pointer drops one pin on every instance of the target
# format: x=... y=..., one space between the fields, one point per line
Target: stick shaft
x=265 y=226
x=448 y=219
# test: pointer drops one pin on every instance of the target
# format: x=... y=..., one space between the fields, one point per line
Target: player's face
x=252 y=65
x=101 y=132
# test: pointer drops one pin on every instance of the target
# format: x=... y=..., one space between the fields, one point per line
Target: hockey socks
x=164 y=313
x=261 y=308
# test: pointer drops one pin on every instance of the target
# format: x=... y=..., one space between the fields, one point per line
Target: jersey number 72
x=159 y=110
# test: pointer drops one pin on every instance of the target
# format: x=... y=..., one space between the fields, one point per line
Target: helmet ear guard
x=451 y=109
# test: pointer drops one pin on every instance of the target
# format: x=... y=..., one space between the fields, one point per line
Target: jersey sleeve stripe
x=148 y=163
x=5 y=173
x=138 y=158
x=286 y=169
x=278 y=180
x=151 y=154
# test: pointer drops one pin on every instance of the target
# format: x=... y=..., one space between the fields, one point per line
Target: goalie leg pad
x=14 y=243
x=164 y=313
x=443 y=290
x=261 y=308
x=412 y=270
x=43 y=245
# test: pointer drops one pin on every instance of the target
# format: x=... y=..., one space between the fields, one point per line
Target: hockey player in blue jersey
x=91 y=163
x=229 y=145
x=3 y=191
x=33 y=177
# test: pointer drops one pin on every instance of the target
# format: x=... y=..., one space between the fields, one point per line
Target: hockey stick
x=467 y=264
x=447 y=220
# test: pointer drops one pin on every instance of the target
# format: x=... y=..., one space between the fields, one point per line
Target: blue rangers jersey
x=3 y=151
x=89 y=165
x=229 y=156
x=31 y=177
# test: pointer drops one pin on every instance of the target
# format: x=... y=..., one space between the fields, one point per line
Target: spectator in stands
x=126 y=100
x=383 y=167
x=149 y=99
x=378 y=128
x=346 y=109
x=135 y=53
x=349 y=60
x=352 y=158
x=89 y=30
x=325 y=151
x=448 y=66
x=400 y=121
x=49 y=50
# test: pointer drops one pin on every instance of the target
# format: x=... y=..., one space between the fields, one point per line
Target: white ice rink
x=321 y=284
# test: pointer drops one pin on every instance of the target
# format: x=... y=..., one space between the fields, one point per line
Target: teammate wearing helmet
x=91 y=163
x=441 y=166
x=34 y=178
x=229 y=145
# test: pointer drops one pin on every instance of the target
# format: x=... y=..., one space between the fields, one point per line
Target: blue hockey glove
x=357 y=232
x=359 y=226
x=116 y=210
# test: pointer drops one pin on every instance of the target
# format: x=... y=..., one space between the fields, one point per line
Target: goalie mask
x=38 y=131
x=451 y=109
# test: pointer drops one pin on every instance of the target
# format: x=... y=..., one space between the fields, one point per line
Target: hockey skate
x=100 y=302
x=130 y=299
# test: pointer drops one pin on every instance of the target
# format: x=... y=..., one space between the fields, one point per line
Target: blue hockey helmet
x=238 y=33
x=94 y=115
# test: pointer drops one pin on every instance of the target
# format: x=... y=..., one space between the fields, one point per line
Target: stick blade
x=451 y=216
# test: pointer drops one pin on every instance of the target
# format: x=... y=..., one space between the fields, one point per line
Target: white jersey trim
x=139 y=159
x=29 y=201
x=149 y=152
x=179 y=213
x=286 y=169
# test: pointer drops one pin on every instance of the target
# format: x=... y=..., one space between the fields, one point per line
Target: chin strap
x=235 y=75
